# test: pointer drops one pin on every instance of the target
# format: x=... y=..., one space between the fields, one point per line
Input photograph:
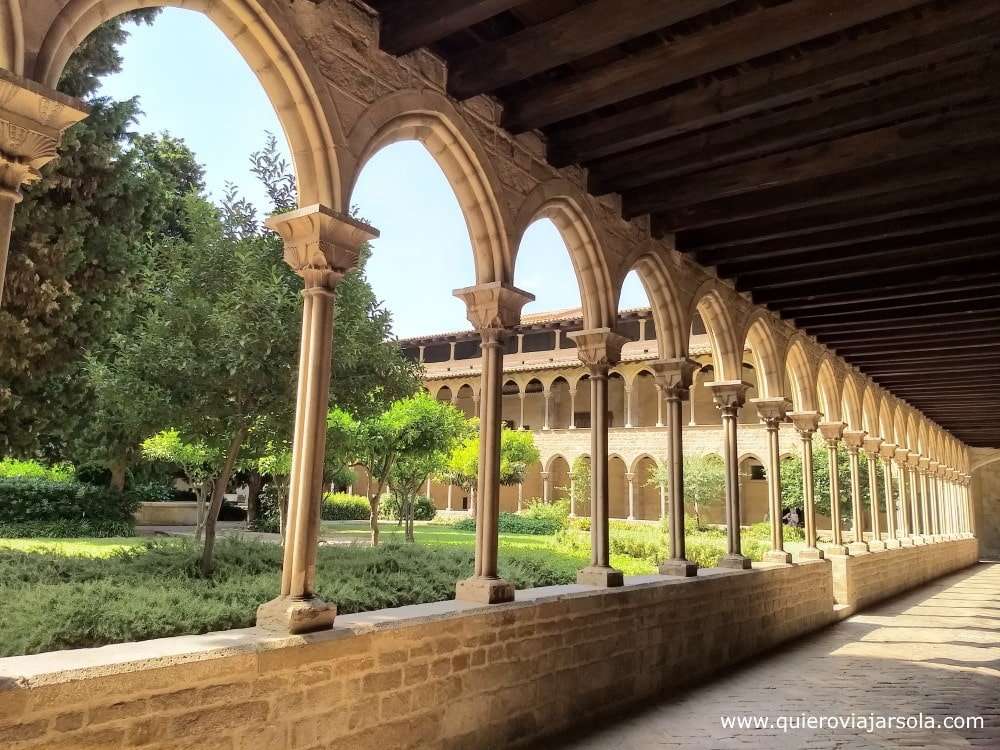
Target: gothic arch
x=851 y=403
x=727 y=354
x=870 y=410
x=264 y=36
x=560 y=202
x=431 y=120
x=12 y=41
x=801 y=378
x=767 y=355
x=828 y=387
x=886 y=420
x=671 y=336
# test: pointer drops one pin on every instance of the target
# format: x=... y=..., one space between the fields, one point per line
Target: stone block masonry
x=862 y=580
x=445 y=675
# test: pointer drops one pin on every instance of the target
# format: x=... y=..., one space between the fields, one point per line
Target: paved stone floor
x=934 y=651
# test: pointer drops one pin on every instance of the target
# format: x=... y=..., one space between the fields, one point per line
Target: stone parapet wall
x=862 y=580
x=446 y=675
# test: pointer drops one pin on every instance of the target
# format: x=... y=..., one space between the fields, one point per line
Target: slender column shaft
x=659 y=406
x=545 y=486
x=833 y=457
x=925 y=502
x=905 y=525
x=774 y=484
x=914 y=501
x=548 y=400
x=876 y=520
x=628 y=406
x=890 y=498
x=8 y=199
x=520 y=496
x=730 y=415
x=309 y=445
x=599 y=538
x=630 y=478
x=675 y=453
x=450 y=488
x=520 y=423
x=488 y=505
x=808 y=490
x=857 y=517
x=572 y=409
x=663 y=502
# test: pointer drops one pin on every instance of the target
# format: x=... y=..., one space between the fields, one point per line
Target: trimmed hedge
x=41 y=507
x=343 y=507
x=512 y=523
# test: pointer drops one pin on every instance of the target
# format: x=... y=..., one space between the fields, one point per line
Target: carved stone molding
x=729 y=394
x=772 y=410
x=854 y=439
x=598 y=348
x=806 y=422
x=32 y=122
x=493 y=306
x=674 y=376
x=321 y=245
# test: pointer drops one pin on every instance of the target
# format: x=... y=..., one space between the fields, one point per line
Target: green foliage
x=791 y=481
x=343 y=507
x=53 y=601
x=580 y=481
x=12 y=468
x=556 y=512
x=516 y=523
x=762 y=532
x=704 y=482
x=517 y=452
x=391 y=508
x=151 y=492
x=42 y=507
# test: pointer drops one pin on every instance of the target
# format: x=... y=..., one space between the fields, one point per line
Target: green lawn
x=86 y=547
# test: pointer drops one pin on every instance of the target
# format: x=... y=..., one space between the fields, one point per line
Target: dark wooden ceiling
x=839 y=160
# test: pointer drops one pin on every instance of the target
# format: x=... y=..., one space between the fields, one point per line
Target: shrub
x=151 y=492
x=514 y=523
x=340 y=506
x=762 y=531
x=12 y=468
x=556 y=512
x=423 y=508
x=37 y=507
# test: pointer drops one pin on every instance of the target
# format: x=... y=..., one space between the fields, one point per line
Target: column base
x=600 y=576
x=737 y=562
x=810 y=553
x=918 y=541
x=481 y=590
x=858 y=548
x=905 y=541
x=874 y=546
x=678 y=567
x=836 y=549
x=892 y=544
x=778 y=556
x=295 y=616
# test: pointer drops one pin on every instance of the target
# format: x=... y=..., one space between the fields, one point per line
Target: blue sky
x=209 y=97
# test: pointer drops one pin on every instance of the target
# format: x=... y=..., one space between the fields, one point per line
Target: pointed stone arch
x=561 y=203
x=850 y=403
x=870 y=403
x=828 y=388
x=727 y=353
x=800 y=375
x=887 y=419
x=767 y=352
x=12 y=39
x=265 y=37
x=431 y=120
x=655 y=276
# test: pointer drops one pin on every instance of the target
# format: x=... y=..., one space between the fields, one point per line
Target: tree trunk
x=255 y=483
x=232 y=453
x=409 y=520
x=118 y=468
x=200 y=495
x=373 y=521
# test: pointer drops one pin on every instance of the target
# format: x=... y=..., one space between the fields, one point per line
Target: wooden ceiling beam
x=923 y=292
x=907 y=320
x=916 y=139
x=590 y=28
x=940 y=35
x=410 y=24
x=857 y=110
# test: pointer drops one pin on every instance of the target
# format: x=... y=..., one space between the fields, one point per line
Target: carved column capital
x=901 y=456
x=494 y=305
x=32 y=122
x=854 y=440
x=772 y=411
x=872 y=445
x=913 y=459
x=887 y=451
x=806 y=422
x=598 y=348
x=923 y=464
x=832 y=432
x=729 y=395
x=321 y=245
x=674 y=376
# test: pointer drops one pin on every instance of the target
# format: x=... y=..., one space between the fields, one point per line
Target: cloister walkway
x=935 y=650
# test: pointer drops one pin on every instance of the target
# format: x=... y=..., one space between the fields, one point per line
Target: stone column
x=832 y=432
x=572 y=408
x=493 y=309
x=673 y=378
x=321 y=245
x=906 y=521
x=520 y=496
x=772 y=412
x=450 y=488
x=912 y=460
x=663 y=502
x=659 y=405
x=730 y=395
x=971 y=511
x=628 y=405
x=925 y=501
x=888 y=452
x=599 y=349
x=854 y=439
x=630 y=478
x=548 y=400
x=545 y=486
x=806 y=423
x=932 y=498
x=871 y=447
x=32 y=122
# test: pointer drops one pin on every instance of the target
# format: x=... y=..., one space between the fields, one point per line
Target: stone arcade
x=722 y=161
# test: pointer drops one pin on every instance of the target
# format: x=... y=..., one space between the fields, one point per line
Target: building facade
x=545 y=391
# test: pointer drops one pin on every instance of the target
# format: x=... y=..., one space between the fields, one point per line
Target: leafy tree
x=409 y=431
x=517 y=453
x=196 y=461
x=704 y=481
x=791 y=481
x=580 y=483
